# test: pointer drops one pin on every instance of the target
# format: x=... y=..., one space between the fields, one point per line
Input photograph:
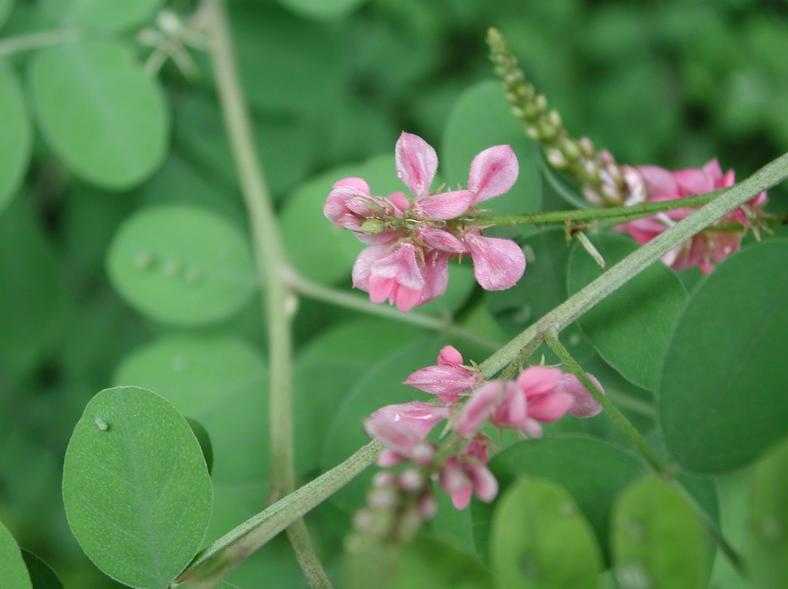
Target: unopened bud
x=372 y=226
x=384 y=479
x=586 y=147
x=554 y=118
x=428 y=506
x=422 y=454
x=411 y=480
x=382 y=498
x=556 y=158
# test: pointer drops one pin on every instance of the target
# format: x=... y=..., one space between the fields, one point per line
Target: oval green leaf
x=100 y=112
x=16 y=140
x=102 y=15
x=14 y=571
x=182 y=265
x=592 y=470
x=5 y=11
x=767 y=528
x=136 y=488
x=540 y=540
x=479 y=119
x=632 y=327
x=658 y=542
x=722 y=395
x=41 y=574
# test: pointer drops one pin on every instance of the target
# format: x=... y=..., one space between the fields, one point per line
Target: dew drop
x=633 y=576
x=567 y=509
x=143 y=260
x=102 y=425
x=193 y=276
x=180 y=363
x=530 y=254
x=171 y=267
x=574 y=339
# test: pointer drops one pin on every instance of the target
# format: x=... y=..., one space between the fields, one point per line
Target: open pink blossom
x=411 y=242
x=652 y=183
x=467 y=474
x=583 y=403
x=403 y=427
x=448 y=379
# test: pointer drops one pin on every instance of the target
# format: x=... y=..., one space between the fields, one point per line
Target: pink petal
x=418 y=416
x=479 y=408
x=441 y=240
x=713 y=170
x=436 y=275
x=659 y=182
x=583 y=404
x=485 y=485
x=406 y=298
x=493 y=172
x=358 y=185
x=448 y=382
x=512 y=412
x=399 y=201
x=400 y=266
x=389 y=458
x=538 y=380
x=417 y=163
x=446 y=205
x=450 y=356
x=462 y=498
x=337 y=207
x=693 y=181
x=549 y=408
x=497 y=263
x=364 y=262
x=478 y=448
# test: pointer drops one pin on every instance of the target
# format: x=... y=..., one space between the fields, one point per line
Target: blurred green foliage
x=674 y=82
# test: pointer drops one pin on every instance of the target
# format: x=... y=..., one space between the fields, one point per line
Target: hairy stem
x=270 y=260
x=30 y=41
x=637 y=439
x=232 y=548
x=347 y=300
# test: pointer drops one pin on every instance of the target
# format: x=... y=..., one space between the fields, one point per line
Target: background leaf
x=322 y=9
x=766 y=545
x=16 y=141
x=100 y=112
x=631 y=328
x=102 y=15
x=15 y=574
x=657 y=539
x=136 y=488
x=539 y=540
x=41 y=574
x=182 y=265
x=721 y=398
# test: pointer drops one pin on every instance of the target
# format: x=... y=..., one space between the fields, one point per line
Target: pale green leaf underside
x=102 y=15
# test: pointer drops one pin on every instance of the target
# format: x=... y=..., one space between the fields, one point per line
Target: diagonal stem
x=270 y=259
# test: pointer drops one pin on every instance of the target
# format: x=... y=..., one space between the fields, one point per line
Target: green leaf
x=539 y=540
x=182 y=265
x=32 y=301
x=204 y=440
x=221 y=381
x=136 y=488
x=381 y=385
x=592 y=470
x=15 y=575
x=431 y=564
x=100 y=112
x=722 y=395
x=767 y=543
x=658 y=541
x=322 y=9
x=102 y=15
x=5 y=11
x=480 y=119
x=41 y=575
x=631 y=328
x=16 y=140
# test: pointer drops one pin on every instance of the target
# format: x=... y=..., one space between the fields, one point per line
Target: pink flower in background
x=411 y=242
x=652 y=183
x=467 y=474
x=404 y=427
x=583 y=403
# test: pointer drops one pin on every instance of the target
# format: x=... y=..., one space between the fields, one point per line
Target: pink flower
x=402 y=428
x=652 y=183
x=480 y=407
x=467 y=474
x=583 y=404
x=448 y=379
x=412 y=242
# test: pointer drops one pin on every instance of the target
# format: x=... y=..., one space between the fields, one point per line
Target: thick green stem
x=14 y=45
x=231 y=549
x=640 y=443
x=270 y=260
x=618 y=418
x=347 y=300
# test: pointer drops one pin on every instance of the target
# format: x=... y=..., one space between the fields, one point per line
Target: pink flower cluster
x=540 y=394
x=652 y=183
x=411 y=242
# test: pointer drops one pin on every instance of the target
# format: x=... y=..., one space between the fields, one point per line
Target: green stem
x=347 y=300
x=14 y=45
x=640 y=443
x=618 y=418
x=592 y=214
x=223 y=555
x=270 y=260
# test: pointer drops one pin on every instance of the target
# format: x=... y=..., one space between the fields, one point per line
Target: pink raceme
x=412 y=241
